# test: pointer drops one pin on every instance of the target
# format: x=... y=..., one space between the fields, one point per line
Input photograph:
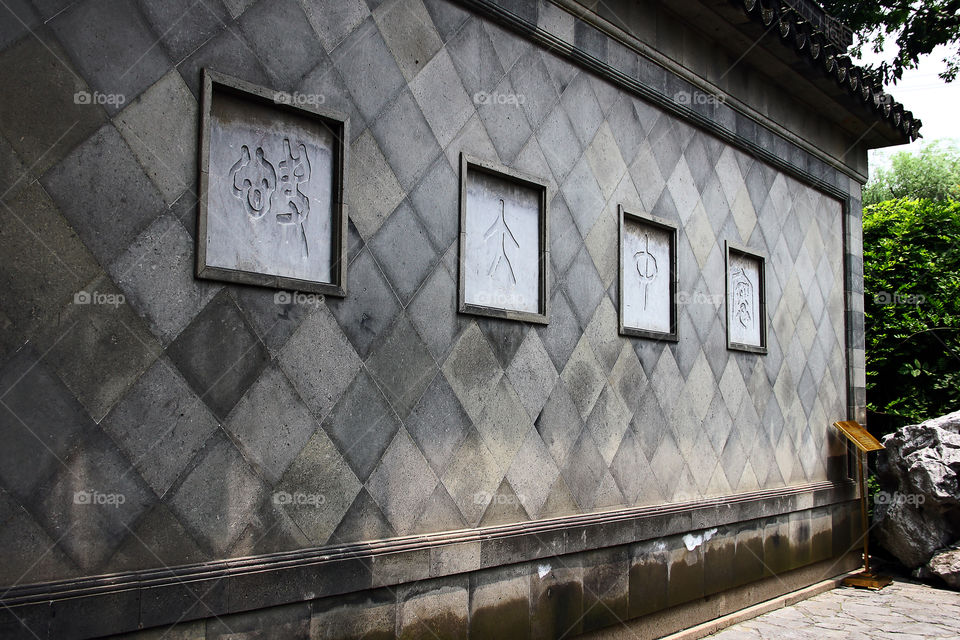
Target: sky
x=931 y=99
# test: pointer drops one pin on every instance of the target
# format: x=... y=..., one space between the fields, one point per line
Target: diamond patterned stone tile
x=215 y=499
x=472 y=477
x=447 y=18
x=282 y=39
x=373 y=191
x=362 y=425
x=402 y=366
x=37 y=436
x=560 y=336
x=503 y=423
x=582 y=193
x=406 y=139
x=580 y=103
x=504 y=121
x=291 y=423
x=605 y=160
x=602 y=236
x=438 y=424
x=220 y=370
x=647 y=176
x=436 y=202
x=327 y=485
x=599 y=332
x=531 y=161
x=440 y=513
x=583 y=377
x=70 y=507
x=474 y=57
x=363 y=521
x=373 y=303
x=666 y=381
x=433 y=312
x=442 y=98
x=324 y=80
x=402 y=482
x=701 y=461
x=584 y=469
x=608 y=422
x=403 y=252
x=409 y=33
x=628 y=379
x=160 y=424
x=504 y=337
x=532 y=473
x=472 y=370
x=632 y=472
x=226 y=50
x=532 y=374
x=333 y=21
x=556 y=137
x=508 y=48
x=559 y=423
x=368 y=69
x=505 y=507
x=631 y=130
x=583 y=287
x=539 y=92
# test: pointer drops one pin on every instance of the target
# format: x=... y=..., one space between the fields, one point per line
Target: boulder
x=917 y=511
x=946 y=566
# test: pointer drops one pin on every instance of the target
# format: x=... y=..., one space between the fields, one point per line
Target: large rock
x=918 y=509
x=946 y=566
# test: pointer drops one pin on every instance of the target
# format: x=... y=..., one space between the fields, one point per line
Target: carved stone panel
x=271 y=191
x=503 y=242
x=746 y=303
x=647 y=277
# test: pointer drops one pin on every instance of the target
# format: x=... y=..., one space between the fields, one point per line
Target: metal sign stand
x=865 y=443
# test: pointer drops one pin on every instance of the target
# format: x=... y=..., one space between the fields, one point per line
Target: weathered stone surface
x=919 y=509
x=946 y=566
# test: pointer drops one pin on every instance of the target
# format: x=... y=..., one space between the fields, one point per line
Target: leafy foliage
x=916 y=26
x=912 y=307
x=933 y=173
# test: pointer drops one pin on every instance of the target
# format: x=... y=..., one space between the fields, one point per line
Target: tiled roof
x=811 y=42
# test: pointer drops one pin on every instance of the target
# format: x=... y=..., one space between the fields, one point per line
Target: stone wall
x=179 y=409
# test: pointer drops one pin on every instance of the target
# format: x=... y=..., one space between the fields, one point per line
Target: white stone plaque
x=746 y=324
x=502 y=244
x=270 y=212
x=647 y=277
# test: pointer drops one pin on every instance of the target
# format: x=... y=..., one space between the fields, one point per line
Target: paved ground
x=902 y=611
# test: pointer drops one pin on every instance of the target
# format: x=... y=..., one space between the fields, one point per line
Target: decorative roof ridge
x=819 y=48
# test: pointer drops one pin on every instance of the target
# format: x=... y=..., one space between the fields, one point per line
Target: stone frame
x=542 y=316
x=338 y=124
x=744 y=252
x=659 y=224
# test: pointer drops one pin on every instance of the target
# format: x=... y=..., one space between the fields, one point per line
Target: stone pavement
x=902 y=611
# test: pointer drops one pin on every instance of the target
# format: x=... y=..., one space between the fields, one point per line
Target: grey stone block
x=560 y=336
x=227 y=52
x=373 y=191
x=104 y=194
x=406 y=140
x=559 y=423
x=282 y=39
x=369 y=308
x=402 y=482
x=271 y=402
x=402 y=366
x=156 y=538
x=582 y=107
x=45 y=263
x=289 y=621
x=472 y=477
x=582 y=193
x=43 y=119
x=363 y=521
x=99 y=346
x=556 y=599
x=505 y=121
x=474 y=57
x=434 y=313
x=215 y=499
x=366 y=614
x=565 y=238
x=472 y=370
x=531 y=78
x=324 y=80
x=362 y=425
x=435 y=201
x=583 y=286
x=334 y=20
x=533 y=473
x=441 y=97
x=156 y=274
x=183 y=26
x=437 y=608
x=447 y=18
x=368 y=69
x=273 y=319
x=32 y=555
x=219 y=355
x=13 y=173
x=161 y=424
x=161 y=129
x=112 y=46
x=404 y=252
x=409 y=33
x=19 y=18
x=532 y=374
x=504 y=337
x=318 y=472
x=89 y=505
x=508 y=46
x=438 y=424
x=38 y=435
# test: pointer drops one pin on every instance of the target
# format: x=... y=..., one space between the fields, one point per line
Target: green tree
x=932 y=173
x=912 y=308
x=917 y=27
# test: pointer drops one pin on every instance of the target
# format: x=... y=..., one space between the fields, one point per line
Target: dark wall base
x=711 y=568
